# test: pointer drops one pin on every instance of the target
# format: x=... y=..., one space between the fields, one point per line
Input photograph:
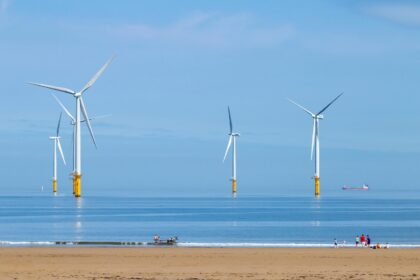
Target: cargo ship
x=362 y=188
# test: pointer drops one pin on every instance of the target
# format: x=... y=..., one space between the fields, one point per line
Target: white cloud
x=408 y=14
x=211 y=30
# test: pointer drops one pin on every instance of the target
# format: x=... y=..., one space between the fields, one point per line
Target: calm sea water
x=246 y=221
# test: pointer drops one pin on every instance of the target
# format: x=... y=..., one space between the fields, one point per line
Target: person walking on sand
x=368 y=240
x=357 y=241
x=335 y=243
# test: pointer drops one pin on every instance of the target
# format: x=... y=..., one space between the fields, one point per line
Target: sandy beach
x=208 y=263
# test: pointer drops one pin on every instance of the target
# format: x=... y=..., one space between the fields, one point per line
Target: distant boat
x=362 y=188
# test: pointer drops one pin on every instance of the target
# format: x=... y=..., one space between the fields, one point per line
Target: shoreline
x=142 y=244
x=207 y=263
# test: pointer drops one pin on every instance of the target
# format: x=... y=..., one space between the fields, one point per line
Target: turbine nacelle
x=234 y=134
x=319 y=117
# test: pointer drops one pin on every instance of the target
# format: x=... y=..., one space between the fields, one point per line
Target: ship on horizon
x=364 y=187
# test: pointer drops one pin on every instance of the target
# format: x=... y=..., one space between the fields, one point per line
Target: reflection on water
x=79 y=203
x=78 y=229
x=316 y=223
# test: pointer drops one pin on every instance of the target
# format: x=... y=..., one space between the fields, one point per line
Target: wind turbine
x=73 y=123
x=232 y=138
x=80 y=108
x=57 y=143
x=315 y=140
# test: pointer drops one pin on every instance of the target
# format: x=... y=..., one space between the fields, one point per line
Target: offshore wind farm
x=73 y=124
x=80 y=109
x=205 y=170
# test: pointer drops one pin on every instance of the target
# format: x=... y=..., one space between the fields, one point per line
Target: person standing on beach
x=363 y=240
x=368 y=240
x=357 y=241
x=335 y=243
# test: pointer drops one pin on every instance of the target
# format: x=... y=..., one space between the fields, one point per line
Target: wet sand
x=208 y=263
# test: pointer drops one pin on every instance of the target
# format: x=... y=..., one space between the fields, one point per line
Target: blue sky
x=180 y=63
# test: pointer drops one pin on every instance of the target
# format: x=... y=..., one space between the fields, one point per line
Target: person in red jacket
x=363 y=240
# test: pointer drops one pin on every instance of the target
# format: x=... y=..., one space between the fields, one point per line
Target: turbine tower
x=232 y=138
x=57 y=143
x=80 y=109
x=315 y=140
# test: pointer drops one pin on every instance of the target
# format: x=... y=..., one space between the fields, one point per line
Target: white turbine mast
x=315 y=140
x=57 y=144
x=232 y=139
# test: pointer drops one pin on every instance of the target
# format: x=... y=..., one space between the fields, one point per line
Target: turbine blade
x=329 y=104
x=228 y=147
x=62 y=89
x=98 y=117
x=230 y=121
x=64 y=108
x=61 y=150
x=97 y=75
x=59 y=123
x=313 y=139
x=85 y=114
x=300 y=106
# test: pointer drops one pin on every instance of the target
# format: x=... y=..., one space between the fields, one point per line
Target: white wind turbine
x=80 y=108
x=73 y=123
x=315 y=140
x=57 y=143
x=232 y=138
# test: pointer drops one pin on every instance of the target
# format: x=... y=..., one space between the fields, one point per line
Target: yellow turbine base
x=317 y=186
x=54 y=185
x=77 y=181
x=234 y=187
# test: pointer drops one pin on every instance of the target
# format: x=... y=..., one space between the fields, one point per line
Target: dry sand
x=208 y=263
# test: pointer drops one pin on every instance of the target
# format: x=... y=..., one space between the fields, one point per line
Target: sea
x=247 y=221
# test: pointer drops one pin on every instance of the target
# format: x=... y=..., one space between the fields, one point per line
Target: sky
x=179 y=64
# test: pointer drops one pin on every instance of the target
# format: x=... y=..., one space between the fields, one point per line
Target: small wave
x=27 y=243
x=254 y=245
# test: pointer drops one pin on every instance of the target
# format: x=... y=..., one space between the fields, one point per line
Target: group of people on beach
x=363 y=241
